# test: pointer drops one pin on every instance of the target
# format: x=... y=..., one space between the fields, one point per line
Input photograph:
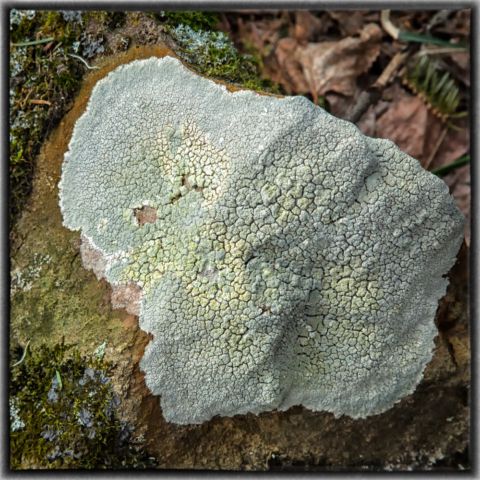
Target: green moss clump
x=213 y=54
x=62 y=412
x=195 y=20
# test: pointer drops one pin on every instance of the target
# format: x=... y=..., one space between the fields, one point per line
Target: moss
x=52 y=295
x=213 y=54
x=38 y=73
x=195 y=20
x=45 y=73
x=106 y=19
x=63 y=413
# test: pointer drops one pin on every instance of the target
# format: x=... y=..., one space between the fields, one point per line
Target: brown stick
x=40 y=102
x=372 y=94
x=436 y=147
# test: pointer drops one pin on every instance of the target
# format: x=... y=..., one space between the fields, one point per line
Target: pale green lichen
x=283 y=257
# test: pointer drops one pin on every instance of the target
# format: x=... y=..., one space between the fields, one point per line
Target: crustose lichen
x=290 y=260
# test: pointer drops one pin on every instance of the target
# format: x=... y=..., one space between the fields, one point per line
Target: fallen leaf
x=349 y=23
x=334 y=66
x=368 y=122
x=340 y=105
x=263 y=33
x=454 y=145
x=458 y=25
x=405 y=122
x=290 y=73
x=308 y=27
x=459 y=184
x=462 y=67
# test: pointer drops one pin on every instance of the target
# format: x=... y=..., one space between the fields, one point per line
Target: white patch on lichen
x=292 y=260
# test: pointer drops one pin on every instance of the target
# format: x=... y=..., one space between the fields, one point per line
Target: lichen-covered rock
x=283 y=258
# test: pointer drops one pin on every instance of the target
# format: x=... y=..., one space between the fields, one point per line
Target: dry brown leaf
x=368 y=122
x=405 y=122
x=340 y=105
x=459 y=184
x=454 y=145
x=335 y=66
x=349 y=23
x=307 y=26
x=265 y=32
x=290 y=72
x=458 y=25
x=462 y=67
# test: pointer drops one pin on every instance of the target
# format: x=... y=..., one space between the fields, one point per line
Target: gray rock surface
x=291 y=260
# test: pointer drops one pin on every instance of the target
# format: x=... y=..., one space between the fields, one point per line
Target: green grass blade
x=415 y=37
x=440 y=172
x=33 y=42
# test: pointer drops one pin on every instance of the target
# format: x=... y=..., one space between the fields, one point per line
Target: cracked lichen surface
x=292 y=260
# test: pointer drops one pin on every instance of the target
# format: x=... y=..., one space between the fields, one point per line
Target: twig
x=390 y=69
x=48 y=46
x=438 y=51
x=24 y=102
x=80 y=58
x=372 y=94
x=388 y=26
x=40 y=102
x=436 y=147
x=23 y=356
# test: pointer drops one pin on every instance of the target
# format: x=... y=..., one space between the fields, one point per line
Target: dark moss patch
x=106 y=19
x=43 y=80
x=195 y=20
x=62 y=413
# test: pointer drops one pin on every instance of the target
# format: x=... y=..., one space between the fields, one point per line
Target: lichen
x=291 y=261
